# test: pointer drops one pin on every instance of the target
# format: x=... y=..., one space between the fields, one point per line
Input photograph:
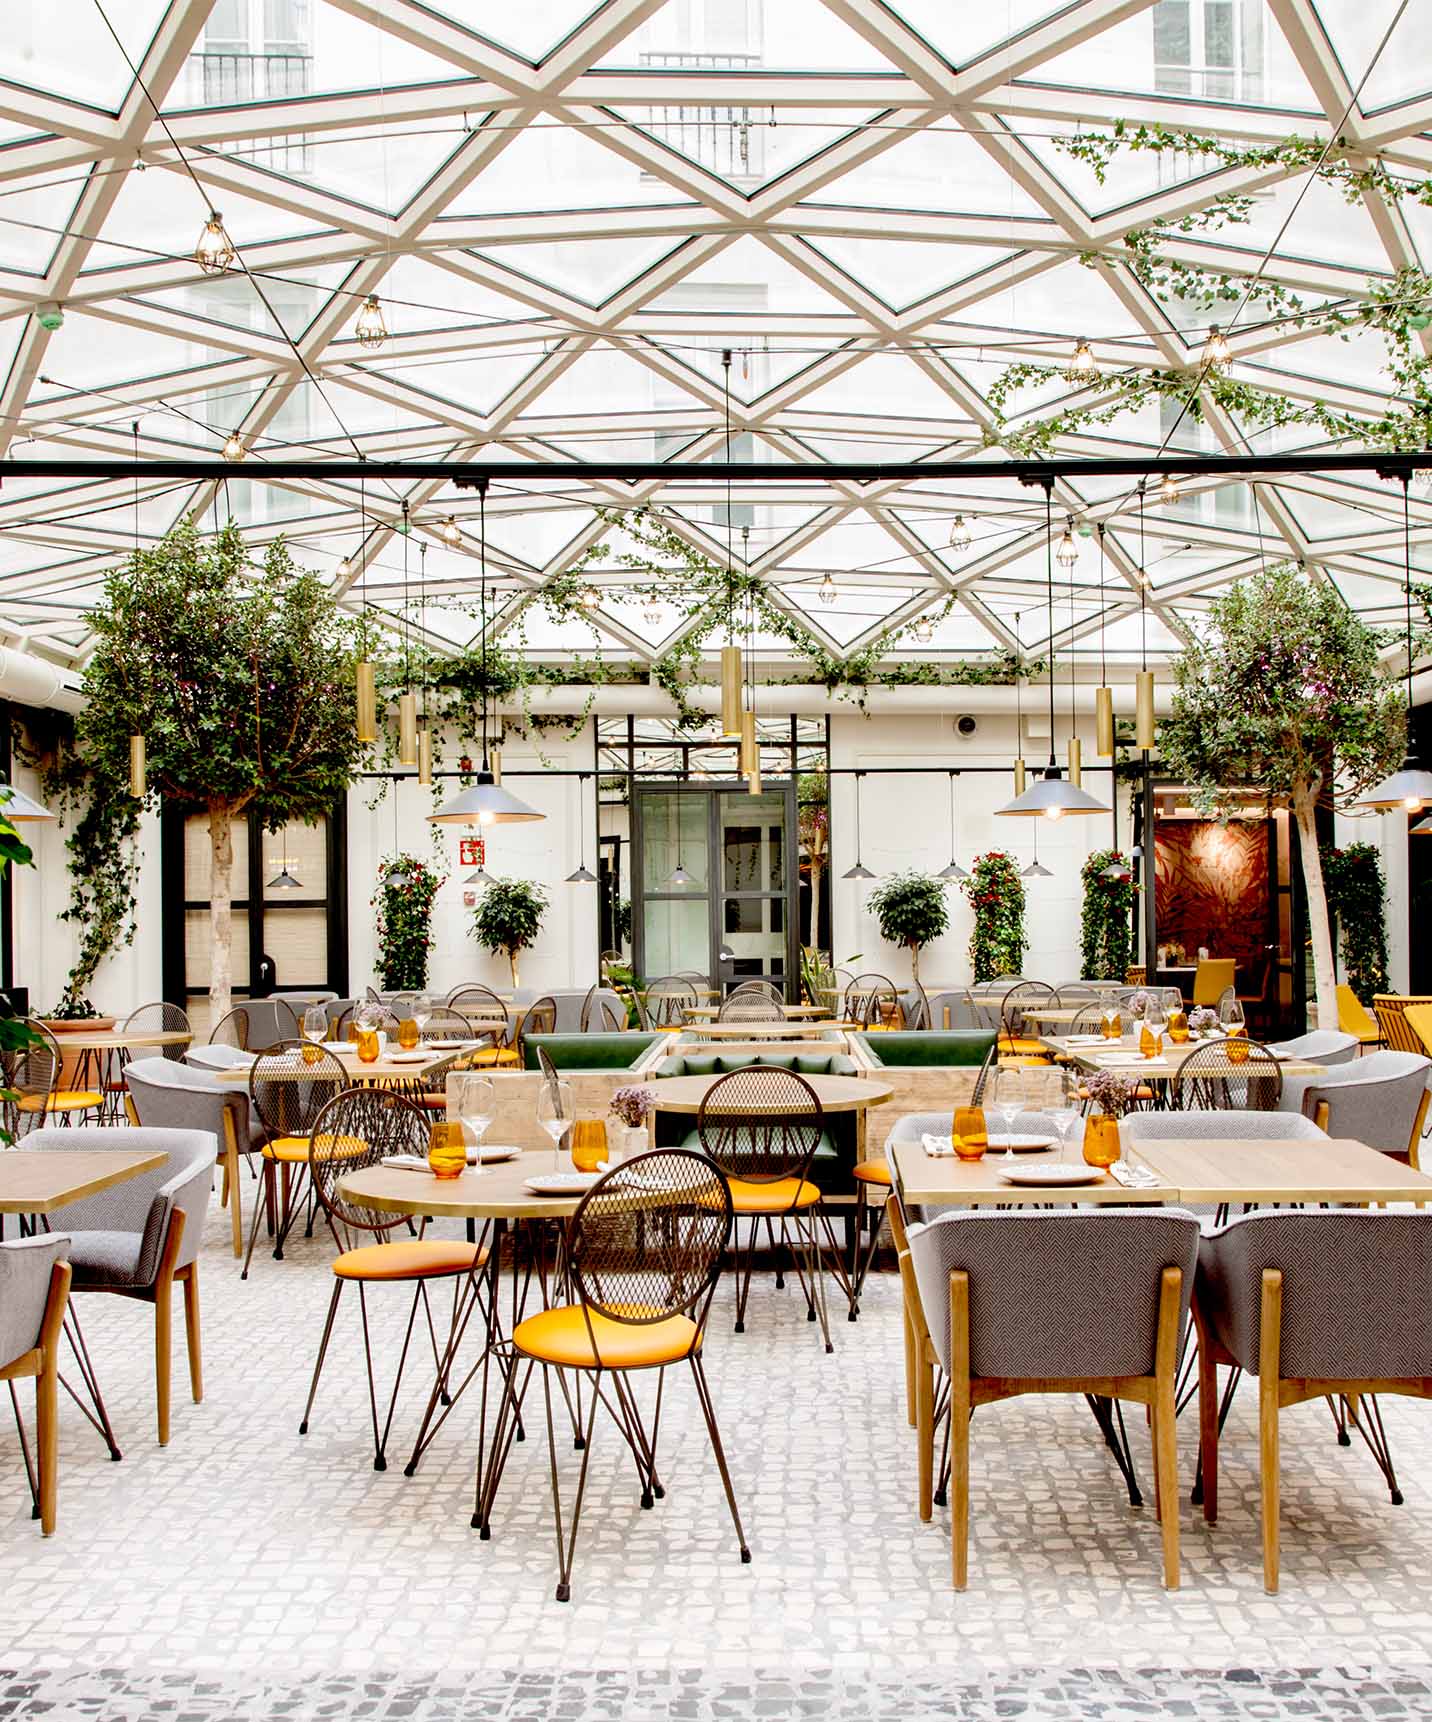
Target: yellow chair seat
x=561 y=1336
x=294 y=1149
x=62 y=1100
x=778 y=1197
x=1140 y=1091
x=1023 y=1044
x=414 y=1259
x=1023 y=1063
x=872 y=1172
x=489 y=1056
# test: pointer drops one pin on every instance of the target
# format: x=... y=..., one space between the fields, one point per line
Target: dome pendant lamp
x=484 y=801
x=1052 y=797
x=583 y=874
x=859 y=870
x=1410 y=787
x=954 y=870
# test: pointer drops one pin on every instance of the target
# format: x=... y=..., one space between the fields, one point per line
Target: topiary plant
x=994 y=887
x=508 y=917
x=911 y=910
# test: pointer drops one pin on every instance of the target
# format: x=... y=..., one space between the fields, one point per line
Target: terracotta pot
x=79 y=1025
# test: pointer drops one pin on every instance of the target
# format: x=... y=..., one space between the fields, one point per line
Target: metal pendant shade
x=1423 y=828
x=19 y=807
x=582 y=876
x=859 y=870
x=285 y=881
x=479 y=876
x=1036 y=870
x=680 y=876
x=954 y=870
x=484 y=802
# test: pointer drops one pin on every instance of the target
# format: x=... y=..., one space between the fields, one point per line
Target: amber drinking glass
x=1101 y=1139
x=1113 y=1024
x=969 y=1134
x=408 y=1034
x=589 y=1144
x=1237 y=1050
x=1178 y=1026
x=1150 y=1041
x=368 y=1045
x=447 y=1150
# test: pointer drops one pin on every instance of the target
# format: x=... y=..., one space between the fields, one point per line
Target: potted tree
x=239 y=678
x=910 y=910
x=404 y=922
x=507 y=917
x=1284 y=693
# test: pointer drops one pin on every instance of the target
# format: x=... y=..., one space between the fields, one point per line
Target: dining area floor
x=248 y=1571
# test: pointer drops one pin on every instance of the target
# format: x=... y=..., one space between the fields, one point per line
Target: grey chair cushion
x=25 y=1266
x=106 y=1258
x=1372 y=1100
x=172 y=1096
x=1355 y=1291
x=1054 y=1294
x=1228 y=1126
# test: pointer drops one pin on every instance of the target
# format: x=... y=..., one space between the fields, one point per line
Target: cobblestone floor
x=247 y=1572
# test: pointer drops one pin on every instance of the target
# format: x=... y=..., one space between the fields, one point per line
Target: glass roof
x=569 y=210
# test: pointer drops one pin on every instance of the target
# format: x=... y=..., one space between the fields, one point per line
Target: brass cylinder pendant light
x=730 y=693
x=407 y=729
x=138 y=768
x=1103 y=694
x=425 y=757
x=748 y=761
x=495 y=764
x=366 y=715
x=1075 y=760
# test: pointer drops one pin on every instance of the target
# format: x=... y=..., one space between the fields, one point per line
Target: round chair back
x=761 y=1124
x=1011 y=1012
x=352 y=1131
x=231 y=1030
x=480 y=1004
x=750 y=1007
x=867 y=999
x=647 y=1241
x=160 y=1018
x=31 y=1073
x=666 y=1002
x=1209 y=1080
x=291 y=1083
x=540 y=1017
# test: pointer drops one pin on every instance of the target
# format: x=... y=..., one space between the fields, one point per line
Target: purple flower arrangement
x=1111 y=1092
x=633 y=1105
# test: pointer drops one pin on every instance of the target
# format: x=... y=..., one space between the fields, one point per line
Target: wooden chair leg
x=163 y=1339
x=1207 y=1420
x=232 y=1186
x=959 y=1429
x=47 y=1398
x=1165 y=1420
x=1268 y=1358
x=911 y=1365
x=925 y=1436
x=191 y=1332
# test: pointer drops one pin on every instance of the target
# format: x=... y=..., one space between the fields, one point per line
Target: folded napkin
x=937 y=1147
x=1133 y=1177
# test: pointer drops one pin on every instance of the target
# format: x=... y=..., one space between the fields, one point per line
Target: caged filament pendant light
x=484 y=801
x=1409 y=787
x=1052 y=797
x=859 y=870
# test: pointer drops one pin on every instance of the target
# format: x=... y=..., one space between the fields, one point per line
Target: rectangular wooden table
x=39 y=1180
x=1191 y=1172
x=383 y=1069
x=1092 y=1058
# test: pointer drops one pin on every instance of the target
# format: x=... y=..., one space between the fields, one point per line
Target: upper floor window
x=256 y=51
x=1209 y=48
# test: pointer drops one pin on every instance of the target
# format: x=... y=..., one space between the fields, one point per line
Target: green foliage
x=14 y=1033
x=994 y=887
x=403 y=922
x=1283 y=693
x=1106 y=926
x=621 y=920
x=1357 y=896
x=508 y=916
x=910 y=909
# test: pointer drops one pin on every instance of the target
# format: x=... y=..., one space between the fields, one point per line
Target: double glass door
x=715 y=883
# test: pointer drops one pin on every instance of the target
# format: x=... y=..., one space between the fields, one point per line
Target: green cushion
x=777 y=1060
x=813 y=1063
x=730 y=1061
x=588 y=1051
x=926 y=1047
x=825 y=1149
x=702 y=1064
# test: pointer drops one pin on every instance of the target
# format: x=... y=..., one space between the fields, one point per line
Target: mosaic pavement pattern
x=246 y=1571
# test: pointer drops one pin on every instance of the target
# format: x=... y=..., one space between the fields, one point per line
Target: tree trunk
x=817 y=870
x=512 y=951
x=221 y=896
x=915 y=962
x=1324 y=973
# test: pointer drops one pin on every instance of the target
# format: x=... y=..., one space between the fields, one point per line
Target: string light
x=1082 y=367
x=345 y=568
x=1068 y=552
x=959 y=534
x=590 y=598
x=826 y=591
x=234 y=448
x=653 y=611
x=214 y=252
x=924 y=630
x=370 y=327
x=1216 y=352
x=1168 y=490
x=451 y=533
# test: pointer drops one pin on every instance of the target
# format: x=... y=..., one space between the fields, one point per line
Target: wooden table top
x=756 y=1030
x=495 y=1193
x=835 y=1093
x=1058 y=1013
x=792 y=1012
x=39 y=1180
x=116 y=1039
x=947 y=1181
x=1171 y=1061
x=382 y=1069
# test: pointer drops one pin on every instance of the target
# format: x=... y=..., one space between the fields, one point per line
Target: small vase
x=1101 y=1139
x=969 y=1133
x=447 y=1151
x=589 y=1144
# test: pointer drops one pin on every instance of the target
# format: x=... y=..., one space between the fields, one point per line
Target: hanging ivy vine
x=1357 y=899
x=1106 y=925
x=997 y=943
x=403 y=921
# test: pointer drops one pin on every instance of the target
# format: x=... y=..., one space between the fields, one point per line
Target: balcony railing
x=728 y=141
x=221 y=79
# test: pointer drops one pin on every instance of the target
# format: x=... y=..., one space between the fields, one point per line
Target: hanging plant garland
x=403 y=921
x=1357 y=898
x=1106 y=926
x=997 y=943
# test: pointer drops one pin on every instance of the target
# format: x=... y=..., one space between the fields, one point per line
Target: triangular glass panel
x=532 y=29
x=902 y=272
x=588 y=270
x=160 y=214
x=1357 y=32
x=63 y=46
x=340 y=51
x=231 y=304
x=889 y=380
x=939 y=168
x=35 y=219
x=556 y=166
x=800 y=33
x=739 y=145
x=962 y=34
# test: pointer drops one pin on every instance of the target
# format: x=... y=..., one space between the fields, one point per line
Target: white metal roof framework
x=569 y=218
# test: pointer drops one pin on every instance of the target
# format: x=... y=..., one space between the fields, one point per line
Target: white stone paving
x=243 y=1549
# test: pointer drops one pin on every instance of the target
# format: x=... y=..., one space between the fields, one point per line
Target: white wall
x=546 y=851
x=1387 y=832
x=905 y=823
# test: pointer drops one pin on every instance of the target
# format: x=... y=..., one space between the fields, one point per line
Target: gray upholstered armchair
x=1019 y=1303
x=139 y=1237
x=1316 y=1304
x=1379 y=1099
x=34 y=1289
x=168 y=1096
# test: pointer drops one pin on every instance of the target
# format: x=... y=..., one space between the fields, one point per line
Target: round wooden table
x=835 y=1093
x=103 y=1053
x=495 y=1193
x=757 y=1030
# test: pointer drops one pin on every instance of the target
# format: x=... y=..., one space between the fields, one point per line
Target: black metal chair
x=663 y=1004
x=231 y=1030
x=480 y=1004
x=1228 y=1075
x=288 y=1087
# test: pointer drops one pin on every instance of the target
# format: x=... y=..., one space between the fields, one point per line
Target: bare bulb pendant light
x=484 y=801
x=214 y=252
x=1409 y=787
x=582 y=874
x=138 y=770
x=1103 y=694
x=1052 y=797
x=859 y=870
x=960 y=535
x=370 y=327
x=1144 y=733
x=954 y=870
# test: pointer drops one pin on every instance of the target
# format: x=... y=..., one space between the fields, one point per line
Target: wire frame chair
x=289 y=1085
x=917 y=1015
x=869 y=999
x=761 y=1127
x=540 y=1017
x=645 y=1249
x=160 y=1018
x=371 y=995
x=447 y=1025
x=231 y=1030
x=1208 y=1080
x=1074 y=993
x=352 y=1132
x=601 y=1015
x=750 y=1007
x=666 y=1001
x=768 y=989
x=31 y=1074
x=480 y=1004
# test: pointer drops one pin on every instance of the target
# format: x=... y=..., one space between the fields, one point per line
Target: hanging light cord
x=730 y=548
x=482 y=602
x=1407 y=591
x=1049 y=600
x=407 y=643
x=1143 y=585
x=422 y=624
x=1103 y=663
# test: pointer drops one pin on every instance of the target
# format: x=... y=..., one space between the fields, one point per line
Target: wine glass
x=556 y=1113
x=1151 y=1035
x=474 y=1097
x=315 y=1023
x=1065 y=1106
x=1008 y=1103
x=1230 y=1015
x=422 y=1011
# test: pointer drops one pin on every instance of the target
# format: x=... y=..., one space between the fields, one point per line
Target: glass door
x=671 y=921
x=754 y=846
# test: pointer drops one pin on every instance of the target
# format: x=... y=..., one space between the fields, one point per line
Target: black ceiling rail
x=468 y=474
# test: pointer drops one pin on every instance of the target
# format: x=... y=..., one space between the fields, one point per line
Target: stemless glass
x=556 y=1113
x=473 y=1096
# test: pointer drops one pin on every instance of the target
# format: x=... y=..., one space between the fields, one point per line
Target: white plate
x=1022 y=1142
x=561 y=1183
x=409 y=1057
x=450 y=1045
x=1086 y=1040
x=491 y=1154
x=1050 y=1176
